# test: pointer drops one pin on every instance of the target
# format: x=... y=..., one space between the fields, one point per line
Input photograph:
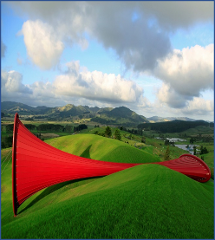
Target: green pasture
x=101 y=148
x=145 y=201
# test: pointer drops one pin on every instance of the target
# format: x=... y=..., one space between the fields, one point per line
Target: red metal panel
x=191 y=166
x=37 y=165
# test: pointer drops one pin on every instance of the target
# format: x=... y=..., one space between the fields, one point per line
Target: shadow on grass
x=52 y=189
x=86 y=152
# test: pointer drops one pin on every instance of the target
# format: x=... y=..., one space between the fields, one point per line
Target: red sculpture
x=37 y=165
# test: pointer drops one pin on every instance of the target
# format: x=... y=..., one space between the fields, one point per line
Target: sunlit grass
x=146 y=201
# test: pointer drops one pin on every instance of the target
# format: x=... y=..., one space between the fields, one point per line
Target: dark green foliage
x=108 y=131
x=68 y=128
x=30 y=126
x=194 y=150
x=6 y=141
x=80 y=127
x=50 y=127
x=167 y=154
x=203 y=150
x=117 y=134
x=172 y=126
x=9 y=128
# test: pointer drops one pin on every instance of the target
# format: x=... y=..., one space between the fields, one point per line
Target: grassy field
x=101 y=148
x=146 y=201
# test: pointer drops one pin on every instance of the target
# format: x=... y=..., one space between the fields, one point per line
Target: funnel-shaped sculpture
x=37 y=165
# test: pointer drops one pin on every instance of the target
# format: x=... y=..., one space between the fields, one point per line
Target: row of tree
x=108 y=133
x=6 y=141
x=173 y=126
x=46 y=127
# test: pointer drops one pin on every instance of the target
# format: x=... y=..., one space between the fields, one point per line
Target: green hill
x=100 y=148
x=146 y=201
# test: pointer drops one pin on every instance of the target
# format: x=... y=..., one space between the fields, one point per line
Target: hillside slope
x=146 y=201
x=101 y=148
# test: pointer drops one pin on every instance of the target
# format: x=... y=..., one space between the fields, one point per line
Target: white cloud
x=74 y=84
x=178 y=105
x=11 y=82
x=43 y=46
x=199 y=106
x=188 y=72
x=169 y=96
x=96 y=85
x=138 y=44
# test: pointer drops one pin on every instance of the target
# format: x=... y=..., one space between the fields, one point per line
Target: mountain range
x=119 y=115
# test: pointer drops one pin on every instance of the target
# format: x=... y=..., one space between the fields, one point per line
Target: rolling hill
x=145 y=201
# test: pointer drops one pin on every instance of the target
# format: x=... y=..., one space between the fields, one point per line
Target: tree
x=203 y=150
x=68 y=128
x=167 y=154
x=108 y=131
x=194 y=150
x=117 y=134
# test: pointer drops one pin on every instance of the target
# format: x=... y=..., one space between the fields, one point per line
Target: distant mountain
x=155 y=119
x=13 y=107
x=119 y=115
x=112 y=116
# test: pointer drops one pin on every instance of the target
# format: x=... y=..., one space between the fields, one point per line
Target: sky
x=156 y=58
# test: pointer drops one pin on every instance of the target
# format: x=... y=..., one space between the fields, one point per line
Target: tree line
x=173 y=126
x=6 y=141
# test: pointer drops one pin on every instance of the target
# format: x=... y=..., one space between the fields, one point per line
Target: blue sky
x=154 y=57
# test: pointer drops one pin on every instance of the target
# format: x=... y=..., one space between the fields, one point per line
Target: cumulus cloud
x=11 y=82
x=187 y=72
x=96 y=85
x=88 y=86
x=177 y=105
x=3 y=49
x=169 y=96
x=43 y=46
x=199 y=106
x=36 y=94
x=138 y=42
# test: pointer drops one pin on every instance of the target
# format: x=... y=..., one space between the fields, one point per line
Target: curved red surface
x=37 y=165
x=189 y=165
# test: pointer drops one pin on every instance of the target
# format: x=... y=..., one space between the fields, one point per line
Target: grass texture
x=146 y=201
